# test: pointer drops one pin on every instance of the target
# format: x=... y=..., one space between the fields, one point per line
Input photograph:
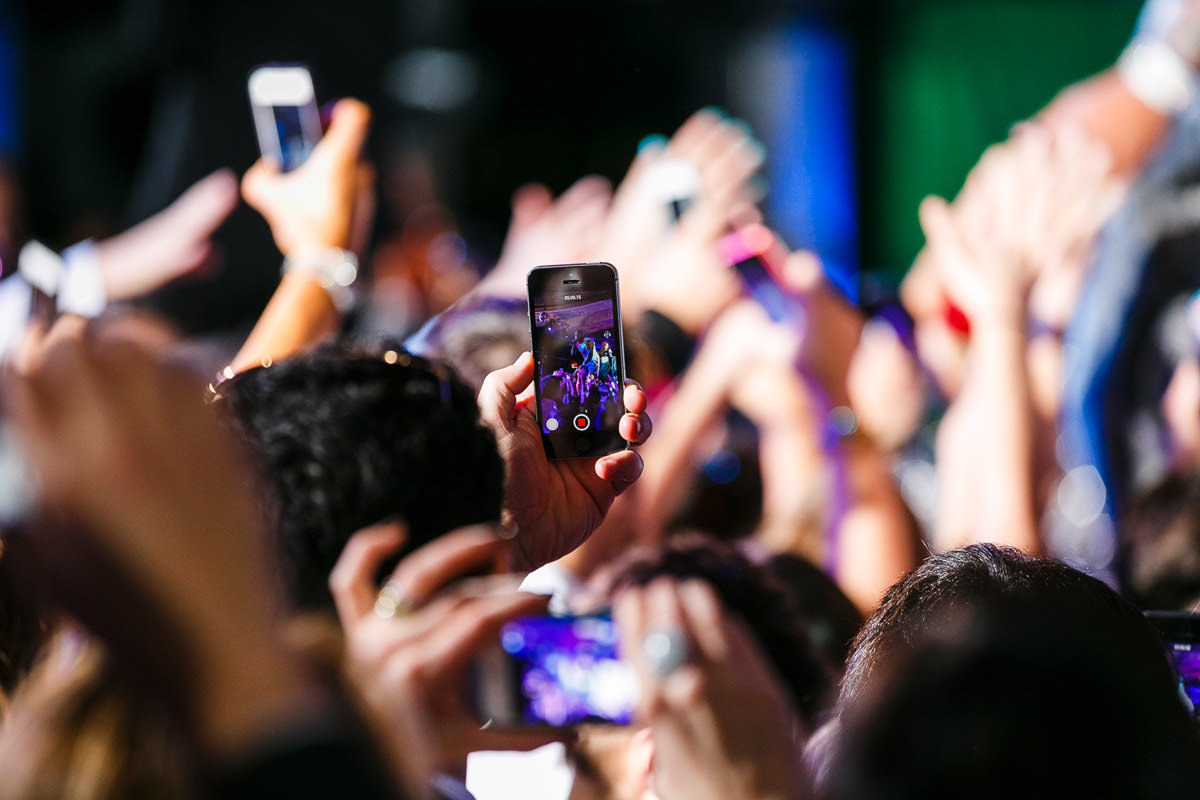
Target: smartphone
x=285 y=114
x=556 y=671
x=1180 y=632
x=758 y=257
x=579 y=358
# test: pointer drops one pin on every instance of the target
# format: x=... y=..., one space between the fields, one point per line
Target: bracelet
x=1156 y=75
x=82 y=289
x=335 y=269
x=40 y=267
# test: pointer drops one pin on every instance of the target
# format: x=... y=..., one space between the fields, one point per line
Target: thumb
x=498 y=396
x=348 y=127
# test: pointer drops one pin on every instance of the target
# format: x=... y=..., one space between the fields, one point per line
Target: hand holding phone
x=327 y=202
x=552 y=506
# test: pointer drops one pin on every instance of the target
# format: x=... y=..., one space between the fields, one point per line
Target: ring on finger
x=665 y=650
x=393 y=602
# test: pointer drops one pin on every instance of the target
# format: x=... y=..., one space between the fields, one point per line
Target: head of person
x=950 y=591
x=478 y=338
x=346 y=437
x=616 y=763
x=1018 y=698
x=1159 y=539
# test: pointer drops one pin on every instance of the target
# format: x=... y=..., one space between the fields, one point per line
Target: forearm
x=1002 y=437
x=1109 y=111
x=299 y=315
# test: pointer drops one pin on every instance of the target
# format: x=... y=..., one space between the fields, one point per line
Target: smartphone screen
x=285 y=114
x=579 y=358
x=1181 y=635
x=558 y=671
x=755 y=253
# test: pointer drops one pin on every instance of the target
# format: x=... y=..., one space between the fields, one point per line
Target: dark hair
x=832 y=619
x=347 y=437
x=1159 y=541
x=976 y=576
x=1020 y=698
x=755 y=596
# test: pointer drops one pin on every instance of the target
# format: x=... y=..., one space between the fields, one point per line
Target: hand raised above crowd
x=326 y=202
x=551 y=507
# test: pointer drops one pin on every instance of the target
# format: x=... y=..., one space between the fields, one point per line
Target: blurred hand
x=152 y=536
x=721 y=723
x=320 y=204
x=553 y=505
x=170 y=244
x=411 y=669
x=672 y=268
x=549 y=231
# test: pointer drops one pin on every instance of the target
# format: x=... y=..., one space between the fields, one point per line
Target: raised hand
x=553 y=506
x=320 y=204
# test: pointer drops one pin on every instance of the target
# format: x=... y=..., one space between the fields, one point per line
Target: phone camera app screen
x=294 y=147
x=577 y=348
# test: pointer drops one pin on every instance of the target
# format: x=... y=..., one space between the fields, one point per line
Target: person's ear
x=639 y=763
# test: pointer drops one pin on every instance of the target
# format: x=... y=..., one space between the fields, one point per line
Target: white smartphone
x=285 y=114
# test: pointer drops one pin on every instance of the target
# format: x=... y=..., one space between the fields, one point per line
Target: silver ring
x=665 y=650
x=391 y=602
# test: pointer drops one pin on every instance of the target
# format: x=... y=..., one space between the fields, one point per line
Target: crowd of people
x=893 y=549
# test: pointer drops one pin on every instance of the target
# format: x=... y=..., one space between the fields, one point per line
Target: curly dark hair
x=347 y=436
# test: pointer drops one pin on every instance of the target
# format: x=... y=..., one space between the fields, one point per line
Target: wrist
x=334 y=268
x=1157 y=75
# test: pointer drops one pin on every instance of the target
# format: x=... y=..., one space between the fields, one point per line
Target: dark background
x=113 y=107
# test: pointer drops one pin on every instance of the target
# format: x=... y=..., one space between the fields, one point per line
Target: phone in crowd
x=1180 y=633
x=285 y=114
x=555 y=671
x=758 y=256
x=579 y=358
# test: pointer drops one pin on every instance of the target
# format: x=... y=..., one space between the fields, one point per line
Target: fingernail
x=742 y=126
x=651 y=140
x=720 y=112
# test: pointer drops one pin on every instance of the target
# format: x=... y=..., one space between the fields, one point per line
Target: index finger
x=425 y=571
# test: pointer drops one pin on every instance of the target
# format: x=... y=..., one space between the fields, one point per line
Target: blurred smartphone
x=556 y=671
x=1180 y=632
x=758 y=257
x=579 y=358
x=285 y=114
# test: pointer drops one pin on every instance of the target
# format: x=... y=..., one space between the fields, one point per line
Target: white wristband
x=40 y=267
x=82 y=291
x=1156 y=75
x=335 y=269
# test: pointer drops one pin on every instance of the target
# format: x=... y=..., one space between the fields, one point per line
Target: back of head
x=756 y=597
x=832 y=619
x=1018 y=699
x=347 y=437
x=973 y=578
x=1160 y=545
x=480 y=337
